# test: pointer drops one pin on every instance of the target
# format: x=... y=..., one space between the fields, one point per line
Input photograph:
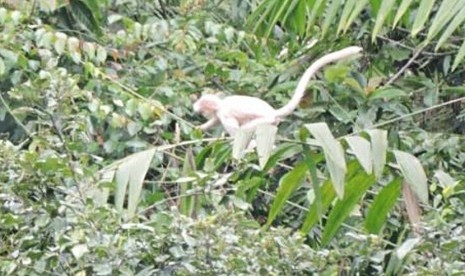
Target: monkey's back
x=246 y=108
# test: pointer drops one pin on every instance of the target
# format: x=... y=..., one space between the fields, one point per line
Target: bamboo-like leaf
x=379 y=146
x=401 y=11
x=316 y=10
x=459 y=57
x=382 y=204
x=457 y=20
x=361 y=149
x=386 y=8
x=131 y=172
x=330 y=15
x=359 y=6
x=288 y=183
x=347 y=10
x=356 y=188
x=414 y=174
x=85 y=15
x=422 y=16
x=187 y=203
x=445 y=13
x=327 y=196
x=315 y=183
x=334 y=154
x=281 y=152
x=265 y=137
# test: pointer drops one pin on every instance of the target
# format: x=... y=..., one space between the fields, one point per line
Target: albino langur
x=249 y=112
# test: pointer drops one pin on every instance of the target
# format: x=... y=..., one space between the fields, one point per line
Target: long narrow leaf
x=379 y=146
x=330 y=15
x=346 y=11
x=382 y=204
x=315 y=183
x=401 y=11
x=356 y=188
x=288 y=183
x=445 y=13
x=422 y=16
x=459 y=57
x=453 y=25
x=362 y=150
x=386 y=8
x=334 y=155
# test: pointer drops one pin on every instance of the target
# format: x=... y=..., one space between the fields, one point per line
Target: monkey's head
x=207 y=105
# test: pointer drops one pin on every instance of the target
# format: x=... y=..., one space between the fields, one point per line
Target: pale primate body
x=236 y=111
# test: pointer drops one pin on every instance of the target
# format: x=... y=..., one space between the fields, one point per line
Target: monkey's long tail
x=317 y=65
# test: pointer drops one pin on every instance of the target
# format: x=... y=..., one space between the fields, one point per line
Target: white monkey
x=249 y=112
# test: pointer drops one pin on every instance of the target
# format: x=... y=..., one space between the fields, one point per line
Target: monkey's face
x=207 y=105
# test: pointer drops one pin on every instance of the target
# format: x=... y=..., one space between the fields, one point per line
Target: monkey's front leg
x=213 y=121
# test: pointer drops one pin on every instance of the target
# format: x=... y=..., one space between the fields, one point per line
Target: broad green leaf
x=313 y=216
x=330 y=14
x=379 y=146
x=265 y=136
x=457 y=20
x=356 y=188
x=314 y=177
x=387 y=94
x=414 y=174
x=401 y=11
x=386 y=8
x=281 y=152
x=459 y=56
x=382 y=204
x=287 y=184
x=406 y=247
x=444 y=14
x=362 y=150
x=334 y=154
x=422 y=16
x=131 y=172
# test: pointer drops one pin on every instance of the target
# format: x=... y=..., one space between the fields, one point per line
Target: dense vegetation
x=102 y=170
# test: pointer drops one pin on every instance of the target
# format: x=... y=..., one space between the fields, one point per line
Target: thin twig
x=410 y=61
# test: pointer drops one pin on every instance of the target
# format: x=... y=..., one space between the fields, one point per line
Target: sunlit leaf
x=379 y=146
x=334 y=154
x=414 y=174
x=362 y=150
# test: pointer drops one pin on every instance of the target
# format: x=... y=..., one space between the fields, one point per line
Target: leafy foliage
x=103 y=172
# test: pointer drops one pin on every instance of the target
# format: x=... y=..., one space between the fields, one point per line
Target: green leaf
x=334 y=154
x=453 y=25
x=422 y=16
x=280 y=153
x=444 y=14
x=459 y=57
x=287 y=184
x=414 y=174
x=362 y=150
x=386 y=8
x=330 y=14
x=379 y=146
x=382 y=204
x=356 y=188
x=315 y=183
x=387 y=94
x=313 y=216
x=401 y=11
